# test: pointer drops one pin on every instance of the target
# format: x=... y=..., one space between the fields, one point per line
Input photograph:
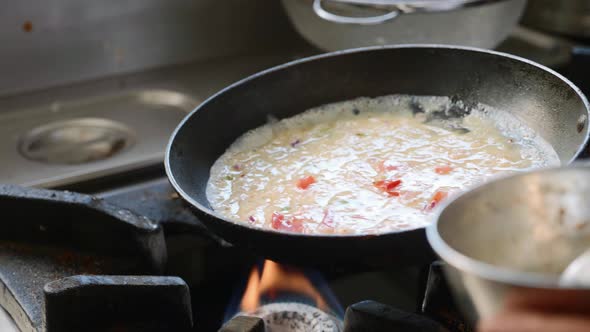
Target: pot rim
x=489 y=271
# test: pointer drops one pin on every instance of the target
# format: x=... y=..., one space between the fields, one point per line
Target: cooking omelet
x=369 y=165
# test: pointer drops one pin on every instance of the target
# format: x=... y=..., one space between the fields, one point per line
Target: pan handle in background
x=370 y=20
x=396 y=8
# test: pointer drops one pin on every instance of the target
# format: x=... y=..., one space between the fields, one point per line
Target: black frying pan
x=546 y=101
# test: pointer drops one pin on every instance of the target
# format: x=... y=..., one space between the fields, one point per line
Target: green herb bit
x=229 y=178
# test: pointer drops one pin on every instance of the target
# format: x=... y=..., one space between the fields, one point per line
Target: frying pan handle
x=371 y=20
x=394 y=7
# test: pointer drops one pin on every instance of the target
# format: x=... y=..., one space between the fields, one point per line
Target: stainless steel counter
x=65 y=135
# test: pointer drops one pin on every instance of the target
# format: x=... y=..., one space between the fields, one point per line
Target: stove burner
x=284 y=317
x=360 y=317
x=286 y=298
x=296 y=317
x=75 y=141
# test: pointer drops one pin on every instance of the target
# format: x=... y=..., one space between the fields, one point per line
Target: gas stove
x=128 y=255
x=135 y=259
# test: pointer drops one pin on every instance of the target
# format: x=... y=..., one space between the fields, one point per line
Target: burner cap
x=296 y=317
x=76 y=141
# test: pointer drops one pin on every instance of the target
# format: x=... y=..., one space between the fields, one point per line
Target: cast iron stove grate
x=73 y=262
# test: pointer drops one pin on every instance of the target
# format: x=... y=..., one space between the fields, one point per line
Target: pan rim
x=212 y=213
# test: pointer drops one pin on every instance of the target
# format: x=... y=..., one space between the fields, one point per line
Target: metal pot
x=507 y=242
x=341 y=24
x=570 y=17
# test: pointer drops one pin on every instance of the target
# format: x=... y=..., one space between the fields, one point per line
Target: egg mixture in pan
x=369 y=165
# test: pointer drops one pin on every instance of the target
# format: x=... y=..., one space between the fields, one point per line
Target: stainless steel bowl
x=340 y=24
x=508 y=241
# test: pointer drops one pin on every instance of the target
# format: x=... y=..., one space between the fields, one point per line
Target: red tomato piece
x=388 y=186
x=279 y=222
x=305 y=182
x=436 y=199
x=443 y=170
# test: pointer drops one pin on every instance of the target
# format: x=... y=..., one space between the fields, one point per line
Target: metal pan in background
x=543 y=99
x=341 y=24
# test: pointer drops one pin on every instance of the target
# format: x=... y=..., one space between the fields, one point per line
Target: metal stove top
x=63 y=136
